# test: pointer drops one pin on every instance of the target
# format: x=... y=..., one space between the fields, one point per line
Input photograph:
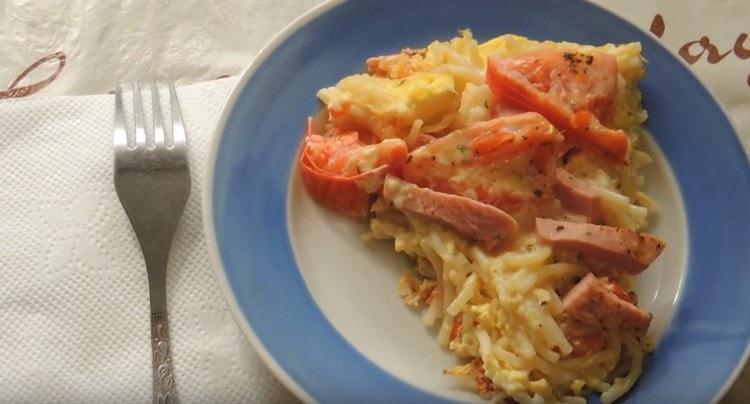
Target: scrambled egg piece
x=389 y=107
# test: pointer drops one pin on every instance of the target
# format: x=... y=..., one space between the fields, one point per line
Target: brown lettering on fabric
x=739 y=48
x=693 y=51
x=14 y=91
x=691 y=54
x=657 y=26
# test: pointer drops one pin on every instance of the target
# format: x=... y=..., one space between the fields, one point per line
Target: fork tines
x=142 y=138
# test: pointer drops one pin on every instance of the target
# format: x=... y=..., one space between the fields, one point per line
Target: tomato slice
x=341 y=172
x=575 y=91
x=485 y=160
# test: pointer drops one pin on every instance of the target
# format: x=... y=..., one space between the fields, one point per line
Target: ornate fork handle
x=164 y=392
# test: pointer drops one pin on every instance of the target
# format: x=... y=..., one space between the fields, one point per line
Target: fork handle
x=164 y=391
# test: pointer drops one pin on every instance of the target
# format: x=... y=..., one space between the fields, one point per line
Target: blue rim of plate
x=254 y=149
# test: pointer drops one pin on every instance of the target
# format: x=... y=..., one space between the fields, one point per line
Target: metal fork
x=152 y=180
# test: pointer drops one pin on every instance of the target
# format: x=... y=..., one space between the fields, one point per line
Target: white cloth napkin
x=74 y=294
